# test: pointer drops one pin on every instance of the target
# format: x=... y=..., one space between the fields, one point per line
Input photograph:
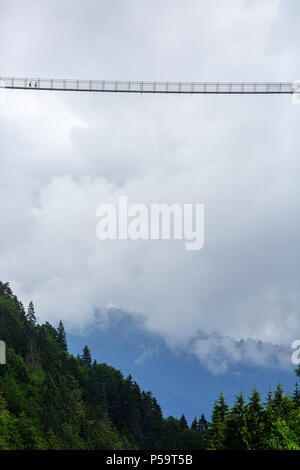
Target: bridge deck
x=149 y=87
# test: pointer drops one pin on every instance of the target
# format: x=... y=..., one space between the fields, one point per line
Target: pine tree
x=269 y=397
x=183 y=423
x=203 y=429
x=255 y=417
x=280 y=404
x=278 y=398
x=194 y=425
x=296 y=396
x=31 y=353
x=62 y=337
x=31 y=315
x=236 y=429
x=217 y=431
x=86 y=356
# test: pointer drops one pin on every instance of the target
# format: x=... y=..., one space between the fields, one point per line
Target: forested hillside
x=50 y=399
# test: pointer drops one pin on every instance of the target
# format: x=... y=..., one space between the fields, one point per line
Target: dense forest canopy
x=50 y=399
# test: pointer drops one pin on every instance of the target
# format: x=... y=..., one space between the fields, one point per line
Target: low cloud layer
x=218 y=353
x=63 y=155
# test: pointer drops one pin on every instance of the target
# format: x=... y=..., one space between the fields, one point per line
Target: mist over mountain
x=175 y=374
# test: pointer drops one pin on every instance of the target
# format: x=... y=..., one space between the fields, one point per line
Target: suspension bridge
x=110 y=86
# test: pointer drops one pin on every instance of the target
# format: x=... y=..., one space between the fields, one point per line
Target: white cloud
x=62 y=155
x=218 y=353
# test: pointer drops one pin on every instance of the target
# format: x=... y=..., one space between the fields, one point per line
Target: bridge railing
x=148 y=86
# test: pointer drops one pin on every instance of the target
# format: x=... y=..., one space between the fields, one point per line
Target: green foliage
x=51 y=400
x=283 y=436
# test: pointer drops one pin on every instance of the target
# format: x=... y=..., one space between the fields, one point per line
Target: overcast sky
x=61 y=155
